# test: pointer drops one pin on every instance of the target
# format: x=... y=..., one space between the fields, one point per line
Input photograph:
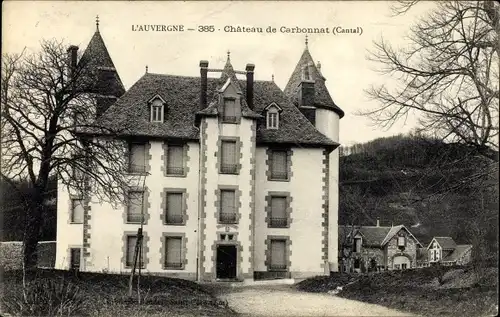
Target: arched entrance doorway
x=401 y=262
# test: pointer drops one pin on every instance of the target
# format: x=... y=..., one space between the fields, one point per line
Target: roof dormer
x=157 y=109
x=272 y=116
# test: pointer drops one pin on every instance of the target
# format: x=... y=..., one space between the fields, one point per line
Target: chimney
x=250 y=68
x=203 y=86
x=378 y=222
x=72 y=56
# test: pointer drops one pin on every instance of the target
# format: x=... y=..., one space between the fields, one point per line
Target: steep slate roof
x=458 y=252
x=181 y=94
x=446 y=243
x=322 y=98
x=96 y=57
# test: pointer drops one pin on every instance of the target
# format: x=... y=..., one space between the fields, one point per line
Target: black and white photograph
x=249 y=158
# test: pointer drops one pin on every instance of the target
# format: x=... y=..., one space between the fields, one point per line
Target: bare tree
x=447 y=76
x=49 y=129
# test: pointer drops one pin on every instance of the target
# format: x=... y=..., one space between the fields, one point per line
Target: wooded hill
x=433 y=188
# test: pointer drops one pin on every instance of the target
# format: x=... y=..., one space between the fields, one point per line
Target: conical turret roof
x=322 y=98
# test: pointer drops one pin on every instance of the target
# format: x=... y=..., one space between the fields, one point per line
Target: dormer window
x=272 y=116
x=157 y=109
x=229 y=111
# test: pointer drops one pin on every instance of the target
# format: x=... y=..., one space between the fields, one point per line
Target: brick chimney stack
x=203 y=86
x=250 y=69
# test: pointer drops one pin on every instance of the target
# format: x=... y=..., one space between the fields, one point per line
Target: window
x=278 y=212
x=227 y=212
x=131 y=250
x=157 y=111
x=279 y=166
x=404 y=266
x=75 y=256
x=228 y=157
x=175 y=160
x=76 y=210
x=272 y=118
x=134 y=206
x=357 y=244
x=137 y=159
x=229 y=111
x=278 y=255
x=174 y=212
x=173 y=253
x=401 y=241
x=396 y=266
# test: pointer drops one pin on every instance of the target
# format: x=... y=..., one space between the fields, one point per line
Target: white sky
x=343 y=57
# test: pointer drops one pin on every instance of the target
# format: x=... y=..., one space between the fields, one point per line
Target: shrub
x=44 y=297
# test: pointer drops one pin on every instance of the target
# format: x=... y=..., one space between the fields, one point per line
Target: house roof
x=457 y=253
x=322 y=98
x=131 y=114
x=376 y=236
x=446 y=243
x=96 y=58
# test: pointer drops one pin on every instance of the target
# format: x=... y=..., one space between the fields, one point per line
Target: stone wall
x=11 y=254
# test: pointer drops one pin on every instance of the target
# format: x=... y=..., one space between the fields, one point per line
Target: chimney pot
x=378 y=222
x=203 y=85
x=249 y=97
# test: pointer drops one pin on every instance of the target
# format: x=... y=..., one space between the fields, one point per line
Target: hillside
x=431 y=187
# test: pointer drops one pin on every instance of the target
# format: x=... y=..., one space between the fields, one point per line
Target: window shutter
x=77 y=212
x=229 y=109
x=228 y=157
x=174 y=252
x=175 y=162
x=174 y=208
x=131 y=242
x=278 y=254
x=138 y=158
x=227 y=201
x=134 y=209
x=278 y=207
x=279 y=164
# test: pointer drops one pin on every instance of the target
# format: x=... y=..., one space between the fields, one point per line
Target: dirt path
x=286 y=301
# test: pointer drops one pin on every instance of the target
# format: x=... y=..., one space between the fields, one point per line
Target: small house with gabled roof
x=375 y=248
x=240 y=176
x=445 y=251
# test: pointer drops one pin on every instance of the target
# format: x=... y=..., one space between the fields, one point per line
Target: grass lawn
x=418 y=291
x=101 y=294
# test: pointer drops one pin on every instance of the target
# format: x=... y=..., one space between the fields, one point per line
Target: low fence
x=11 y=254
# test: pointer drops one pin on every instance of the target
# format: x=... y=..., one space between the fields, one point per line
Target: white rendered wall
x=327 y=122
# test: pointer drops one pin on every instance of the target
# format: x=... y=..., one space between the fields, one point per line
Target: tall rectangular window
x=175 y=159
x=228 y=157
x=137 y=159
x=131 y=250
x=278 y=212
x=272 y=119
x=134 y=206
x=157 y=113
x=76 y=210
x=401 y=241
x=174 y=212
x=229 y=111
x=278 y=255
x=357 y=244
x=227 y=213
x=279 y=166
x=173 y=250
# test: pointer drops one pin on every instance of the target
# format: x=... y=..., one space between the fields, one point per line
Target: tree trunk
x=32 y=235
